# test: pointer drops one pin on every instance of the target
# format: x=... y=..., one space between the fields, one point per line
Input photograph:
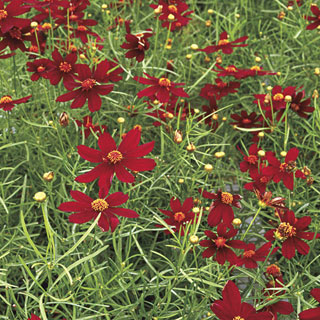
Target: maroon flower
x=7 y=104
x=282 y=307
x=113 y=159
x=219 y=90
x=259 y=183
x=34 y=317
x=245 y=120
x=179 y=216
x=40 y=68
x=316 y=19
x=251 y=162
x=15 y=37
x=87 y=209
x=314 y=313
x=89 y=86
x=250 y=255
x=221 y=207
x=265 y=200
x=162 y=88
x=82 y=31
x=231 y=307
x=88 y=125
x=225 y=45
x=290 y=231
x=241 y=73
x=220 y=245
x=301 y=107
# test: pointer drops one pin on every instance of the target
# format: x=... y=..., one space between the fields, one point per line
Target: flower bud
x=236 y=222
x=208 y=167
x=194 y=46
x=194 y=239
x=34 y=24
x=208 y=23
x=189 y=56
x=287 y=98
x=315 y=94
x=215 y=117
x=48 y=176
x=269 y=88
x=196 y=210
x=261 y=153
x=171 y=17
x=261 y=134
x=181 y=180
x=210 y=11
x=104 y=6
x=283 y=153
x=64 y=119
x=158 y=10
x=121 y=120
x=257 y=59
x=177 y=136
x=40 y=196
x=219 y=154
x=207 y=59
x=191 y=147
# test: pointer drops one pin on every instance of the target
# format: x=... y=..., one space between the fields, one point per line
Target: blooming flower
x=81 y=31
x=225 y=45
x=89 y=86
x=40 y=68
x=241 y=73
x=221 y=207
x=34 y=317
x=251 y=162
x=87 y=123
x=290 y=232
x=314 y=313
x=14 y=38
x=7 y=104
x=316 y=19
x=245 y=120
x=301 y=107
x=219 y=90
x=282 y=307
x=179 y=216
x=259 y=183
x=113 y=159
x=162 y=88
x=87 y=209
x=265 y=200
x=220 y=245
x=231 y=307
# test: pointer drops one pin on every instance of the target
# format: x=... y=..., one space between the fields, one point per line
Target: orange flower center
x=252 y=159
x=46 y=26
x=295 y=107
x=223 y=42
x=114 y=156
x=278 y=97
x=285 y=230
x=99 y=205
x=164 y=82
x=220 y=242
x=273 y=270
x=226 y=197
x=73 y=17
x=222 y=84
x=34 y=49
x=179 y=216
x=88 y=84
x=238 y=318
x=283 y=167
x=249 y=254
x=231 y=69
x=5 y=99
x=264 y=179
x=82 y=28
x=65 y=67
x=246 y=121
x=15 y=33
x=255 y=68
x=3 y=14
x=41 y=69
x=173 y=9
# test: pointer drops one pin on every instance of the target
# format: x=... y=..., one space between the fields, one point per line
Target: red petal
x=123 y=175
x=72 y=206
x=288 y=248
x=89 y=154
x=301 y=246
x=141 y=151
x=91 y=175
x=123 y=212
x=106 y=143
x=130 y=141
x=139 y=164
x=81 y=217
x=311 y=314
x=117 y=199
x=80 y=196
x=208 y=252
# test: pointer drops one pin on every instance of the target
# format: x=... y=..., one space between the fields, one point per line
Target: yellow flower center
x=82 y=28
x=3 y=14
x=220 y=242
x=278 y=97
x=65 y=67
x=164 y=82
x=273 y=270
x=5 y=99
x=231 y=69
x=249 y=254
x=173 y=9
x=252 y=159
x=46 y=26
x=88 y=84
x=179 y=216
x=223 y=42
x=41 y=68
x=226 y=197
x=114 y=156
x=255 y=68
x=285 y=231
x=238 y=318
x=99 y=205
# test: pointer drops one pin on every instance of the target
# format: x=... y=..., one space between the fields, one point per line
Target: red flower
x=241 y=73
x=82 y=31
x=290 y=231
x=225 y=45
x=34 y=317
x=265 y=200
x=316 y=19
x=314 y=313
x=221 y=207
x=179 y=216
x=292 y=2
x=40 y=68
x=89 y=86
x=231 y=307
x=15 y=38
x=87 y=123
x=301 y=107
x=87 y=209
x=113 y=159
x=250 y=255
x=245 y=120
x=260 y=182
x=162 y=88
x=63 y=68
x=282 y=307
x=7 y=104
x=220 y=245
x=221 y=89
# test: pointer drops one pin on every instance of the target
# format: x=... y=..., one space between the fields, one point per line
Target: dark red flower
x=89 y=86
x=301 y=107
x=265 y=200
x=245 y=120
x=179 y=216
x=87 y=209
x=231 y=307
x=292 y=2
x=251 y=162
x=40 y=68
x=113 y=159
x=88 y=125
x=15 y=38
x=137 y=44
x=259 y=183
x=7 y=104
x=162 y=88
x=220 y=245
x=282 y=307
x=225 y=45
x=82 y=31
x=316 y=19
x=219 y=90
x=314 y=313
x=34 y=317
x=290 y=231
x=241 y=73
x=250 y=256
x=221 y=207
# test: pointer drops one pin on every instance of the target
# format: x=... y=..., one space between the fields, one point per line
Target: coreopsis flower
x=231 y=307
x=282 y=307
x=163 y=89
x=290 y=232
x=250 y=256
x=88 y=125
x=116 y=160
x=40 y=68
x=62 y=68
x=251 y=162
x=314 y=313
x=301 y=107
x=82 y=31
x=245 y=120
x=220 y=245
x=225 y=45
x=284 y=171
x=90 y=87
x=241 y=73
x=7 y=103
x=137 y=44
x=316 y=19
x=265 y=200
x=273 y=272
x=221 y=207
x=15 y=38
x=219 y=90
x=292 y=2
x=173 y=13
x=179 y=215
x=87 y=208
x=260 y=182
x=8 y=14
x=34 y=317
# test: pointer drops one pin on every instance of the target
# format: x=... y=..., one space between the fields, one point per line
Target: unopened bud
x=207 y=59
x=40 y=196
x=48 y=176
x=189 y=56
x=215 y=117
x=257 y=59
x=194 y=46
x=317 y=71
x=208 y=167
x=121 y=120
x=283 y=153
x=208 y=23
x=236 y=222
x=64 y=119
x=177 y=136
x=191 y=147
x=194 y=239
x=34 y=24
x=288 y=98
x=315 y=94
x=210 y=11
x=171 y=17
x=261 y=153
x=158 y=10
x=181 y=180
x=261 y=134
x=219 y=154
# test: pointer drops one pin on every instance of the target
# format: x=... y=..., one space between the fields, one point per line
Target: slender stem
x=251 y=223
